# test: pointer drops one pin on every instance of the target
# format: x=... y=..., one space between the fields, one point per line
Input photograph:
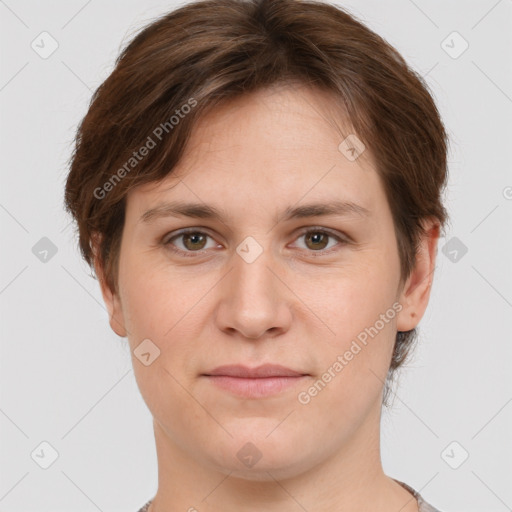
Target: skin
x=253 y=158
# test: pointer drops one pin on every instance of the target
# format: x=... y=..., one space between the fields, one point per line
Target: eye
x=192 y=240
x=317 y=240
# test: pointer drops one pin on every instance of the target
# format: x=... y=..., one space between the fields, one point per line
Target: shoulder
x=423 y=506
x=146 y=507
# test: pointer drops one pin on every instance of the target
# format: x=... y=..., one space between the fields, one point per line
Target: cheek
x=354 y=363
x=158 y=302
x=352 y=296
x=358 y=307
x=167 y=308
x=164 y=309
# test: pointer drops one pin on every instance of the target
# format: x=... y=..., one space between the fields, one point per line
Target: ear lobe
x=416 y=291
x=112 y=302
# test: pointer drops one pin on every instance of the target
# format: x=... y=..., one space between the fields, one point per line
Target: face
x=268 y=281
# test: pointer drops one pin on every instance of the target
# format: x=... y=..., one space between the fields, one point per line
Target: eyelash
x=167 y=241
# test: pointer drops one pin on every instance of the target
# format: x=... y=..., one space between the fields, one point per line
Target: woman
x=258 y=186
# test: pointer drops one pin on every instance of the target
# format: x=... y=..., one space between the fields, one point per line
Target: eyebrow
x=204 y=211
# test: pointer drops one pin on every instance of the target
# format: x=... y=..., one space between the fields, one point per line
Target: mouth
x=259 y=382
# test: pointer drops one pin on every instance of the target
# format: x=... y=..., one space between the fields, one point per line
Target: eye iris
x=316 y=237
x=195 y=237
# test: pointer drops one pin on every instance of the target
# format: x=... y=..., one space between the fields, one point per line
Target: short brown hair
x=211 y=51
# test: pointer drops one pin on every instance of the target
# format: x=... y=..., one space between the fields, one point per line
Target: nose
x=253 y=298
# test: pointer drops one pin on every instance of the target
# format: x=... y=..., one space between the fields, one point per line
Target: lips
x=260 y=372
x=255 y=383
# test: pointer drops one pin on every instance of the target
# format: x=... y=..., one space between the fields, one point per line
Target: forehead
x=274 y=144
x=285 y=118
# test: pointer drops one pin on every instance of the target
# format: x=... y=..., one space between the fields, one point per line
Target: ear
x=416 y=290
x=111 y=298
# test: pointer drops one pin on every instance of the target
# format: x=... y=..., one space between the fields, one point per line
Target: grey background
x=66 y=378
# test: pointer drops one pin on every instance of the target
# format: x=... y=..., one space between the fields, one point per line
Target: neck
x=351 y=479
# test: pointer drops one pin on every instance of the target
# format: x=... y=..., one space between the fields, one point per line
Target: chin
x=282 y=467
x=260 y=457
